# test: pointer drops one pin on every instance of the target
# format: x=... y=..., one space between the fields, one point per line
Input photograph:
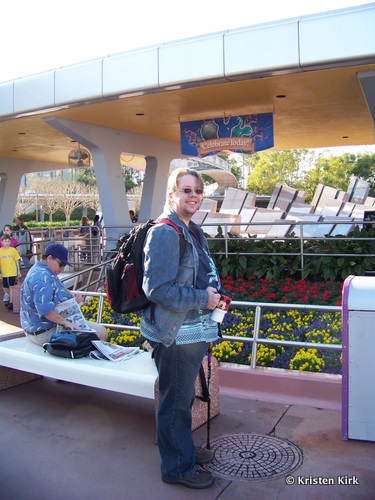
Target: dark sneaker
x=10 y=306
x=197 y=480
x=203 y=456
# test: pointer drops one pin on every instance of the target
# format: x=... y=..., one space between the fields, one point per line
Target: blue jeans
x=178 y=368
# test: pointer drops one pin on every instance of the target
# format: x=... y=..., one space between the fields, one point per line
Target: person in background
x=8 y=229
x=183 y=291
x=96 y=224
x=96 y=232
x=9 y=269
x=84 y=232
x=25 y=241
x=133 y=218
x=84 y=228
x=41 y=291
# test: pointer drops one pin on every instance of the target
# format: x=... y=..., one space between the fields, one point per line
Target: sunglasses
x=189 y=191
x=61 y=265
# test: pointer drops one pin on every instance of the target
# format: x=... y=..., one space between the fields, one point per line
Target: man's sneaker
x=203 y=456
x=10 y=306
x=197 y=480
x=6 y=297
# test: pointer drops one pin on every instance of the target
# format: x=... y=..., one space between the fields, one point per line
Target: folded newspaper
x=70 y=310
x=113 y=352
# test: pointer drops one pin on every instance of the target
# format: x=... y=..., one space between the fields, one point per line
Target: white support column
x=154 y=188
x=111 y=188
x=106 y=146
x=9 y=187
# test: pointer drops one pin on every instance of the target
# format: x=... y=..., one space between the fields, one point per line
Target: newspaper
x=113 y=352
x=70 y=310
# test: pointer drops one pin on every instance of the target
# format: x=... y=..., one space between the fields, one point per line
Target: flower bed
x=296 y=325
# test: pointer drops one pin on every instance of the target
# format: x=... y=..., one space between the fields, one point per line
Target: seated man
x=41 y=291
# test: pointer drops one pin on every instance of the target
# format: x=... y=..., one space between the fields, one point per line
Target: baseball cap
x=59 y=252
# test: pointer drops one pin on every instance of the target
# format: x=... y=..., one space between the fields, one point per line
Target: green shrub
x=331 y=258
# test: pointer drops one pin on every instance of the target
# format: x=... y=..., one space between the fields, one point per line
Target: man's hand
x=79 y=299
x=55 y=317
x=70 y=326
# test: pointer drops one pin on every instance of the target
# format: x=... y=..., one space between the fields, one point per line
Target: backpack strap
x=182 y=237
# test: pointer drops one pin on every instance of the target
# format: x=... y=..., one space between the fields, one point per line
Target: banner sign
x=237 y=134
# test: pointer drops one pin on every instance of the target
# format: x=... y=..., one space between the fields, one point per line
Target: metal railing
x=231 y=233
x=255 y=340
x=83 y=250
x=104 y=248
x=302 y=236
x=87 y=280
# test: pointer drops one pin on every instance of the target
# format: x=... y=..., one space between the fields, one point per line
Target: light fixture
x=79 y=157
x=124 y=158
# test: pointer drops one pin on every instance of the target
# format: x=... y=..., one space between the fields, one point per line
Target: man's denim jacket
x=169 y=283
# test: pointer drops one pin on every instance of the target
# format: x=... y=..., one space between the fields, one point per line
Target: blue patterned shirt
x=41 y=291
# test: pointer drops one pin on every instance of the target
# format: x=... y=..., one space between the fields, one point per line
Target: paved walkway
x=66 y=441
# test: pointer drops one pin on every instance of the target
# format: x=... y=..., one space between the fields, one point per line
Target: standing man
x=41 y=291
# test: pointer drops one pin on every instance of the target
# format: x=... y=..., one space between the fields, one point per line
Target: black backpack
x=70 y=345
x=124 y=277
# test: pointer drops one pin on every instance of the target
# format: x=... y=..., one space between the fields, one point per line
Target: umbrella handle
x=209 y=359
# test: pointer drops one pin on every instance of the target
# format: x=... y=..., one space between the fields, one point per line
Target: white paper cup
x=218 y=315
x=221 y=309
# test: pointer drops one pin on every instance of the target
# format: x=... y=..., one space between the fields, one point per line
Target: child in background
x=7 y=229
x=9 y=268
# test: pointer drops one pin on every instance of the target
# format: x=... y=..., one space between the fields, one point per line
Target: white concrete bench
x=135 y=376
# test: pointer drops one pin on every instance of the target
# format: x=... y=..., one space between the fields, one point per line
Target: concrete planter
x=321 y=390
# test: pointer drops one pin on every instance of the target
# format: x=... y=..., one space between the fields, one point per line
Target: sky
x=41 y=35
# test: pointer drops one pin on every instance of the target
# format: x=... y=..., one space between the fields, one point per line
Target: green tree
x=131 y=178
x=236 y=168
x=271 y=167
x=365 y=169
x=334 y=171
x=87 y=176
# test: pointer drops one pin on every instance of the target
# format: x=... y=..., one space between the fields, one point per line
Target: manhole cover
x=253 y=457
